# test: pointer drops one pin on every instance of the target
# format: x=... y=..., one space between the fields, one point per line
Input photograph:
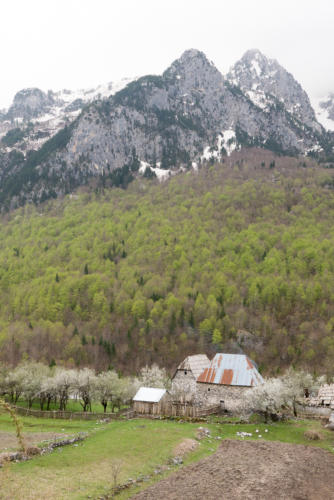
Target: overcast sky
x=82 y=43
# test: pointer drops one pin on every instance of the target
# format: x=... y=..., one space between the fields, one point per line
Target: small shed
x=150 y=401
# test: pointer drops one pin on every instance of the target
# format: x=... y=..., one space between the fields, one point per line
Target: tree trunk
x=294 y=409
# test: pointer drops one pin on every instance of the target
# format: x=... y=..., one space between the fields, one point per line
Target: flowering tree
x=64 y=384
x=84 y=385
x=105 y=387
x=33 y=377
x=153 y=376
x=14 y=383
x=276 y=394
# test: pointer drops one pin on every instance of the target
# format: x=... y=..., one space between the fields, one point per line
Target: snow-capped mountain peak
x=188 y=115
x=41 y=114
x=267 y=83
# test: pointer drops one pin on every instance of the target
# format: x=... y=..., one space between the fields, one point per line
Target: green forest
x=236 y=256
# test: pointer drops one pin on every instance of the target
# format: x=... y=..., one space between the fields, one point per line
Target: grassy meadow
x=84 y=470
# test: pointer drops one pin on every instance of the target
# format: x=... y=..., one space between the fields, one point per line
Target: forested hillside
x=159 y=271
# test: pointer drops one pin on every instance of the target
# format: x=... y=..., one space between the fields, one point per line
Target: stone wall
x=211 y=394
x=184 y=382
x=185 y=388
x=314 y=411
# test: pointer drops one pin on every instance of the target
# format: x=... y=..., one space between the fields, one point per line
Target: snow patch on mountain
x=258 y=98
x=225 y=144
x=322 y=108
x=161 y=173
x=229 y=141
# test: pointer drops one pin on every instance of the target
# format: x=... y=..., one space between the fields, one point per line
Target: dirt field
x=8 y=439
x=251 y=470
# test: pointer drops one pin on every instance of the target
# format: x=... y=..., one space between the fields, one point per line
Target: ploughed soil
x=248 y=470
x=186 y=446
x=8 y=439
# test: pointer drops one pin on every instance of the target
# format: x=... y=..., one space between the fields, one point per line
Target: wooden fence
x=173 y=409
x=168 y=409
x=80 y=415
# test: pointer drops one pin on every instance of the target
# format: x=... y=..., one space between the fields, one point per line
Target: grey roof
x=231 y=369
x=326 y=391
x=149 y=395
x=196 y=364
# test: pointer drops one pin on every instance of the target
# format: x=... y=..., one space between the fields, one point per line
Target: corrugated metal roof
x=149 y=395
x=231 y=369
x=196 y=364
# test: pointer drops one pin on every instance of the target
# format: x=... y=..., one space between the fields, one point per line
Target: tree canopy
x=116 y=279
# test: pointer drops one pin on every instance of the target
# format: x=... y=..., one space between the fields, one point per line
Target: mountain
x=324 y=108
x=189 y=114
x=39 y=115
x=265 y=82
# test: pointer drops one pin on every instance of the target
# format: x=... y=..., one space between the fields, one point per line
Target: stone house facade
x=215 y=394
x=223 y=381
x=184 y=381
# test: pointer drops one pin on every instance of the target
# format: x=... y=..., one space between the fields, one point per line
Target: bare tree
x=116 y=468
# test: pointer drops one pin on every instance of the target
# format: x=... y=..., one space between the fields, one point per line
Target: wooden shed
x=150 y=401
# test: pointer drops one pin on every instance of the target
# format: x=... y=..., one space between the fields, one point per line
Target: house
x=325 y=396
x=150 y=401
x=221 y=381
x=184 y=380
x=226 y=379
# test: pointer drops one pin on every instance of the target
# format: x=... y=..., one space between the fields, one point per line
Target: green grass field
x=85 y=470
x=72 y=405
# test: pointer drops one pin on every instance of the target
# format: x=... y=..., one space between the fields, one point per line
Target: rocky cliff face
x=188 y=114
x=40 y=115
x=265 y=82
x=30 y=103
x=328 y=105
x=324 y=108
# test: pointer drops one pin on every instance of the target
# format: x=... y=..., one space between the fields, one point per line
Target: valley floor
x=141 y=447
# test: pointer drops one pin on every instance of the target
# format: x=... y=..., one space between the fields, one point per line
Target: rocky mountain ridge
x=40 y=115
x=189 y=114
x=324 y=108
x=264 y=80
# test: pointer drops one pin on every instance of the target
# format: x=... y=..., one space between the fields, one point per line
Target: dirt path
x=8 y=439
x=248 y=470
